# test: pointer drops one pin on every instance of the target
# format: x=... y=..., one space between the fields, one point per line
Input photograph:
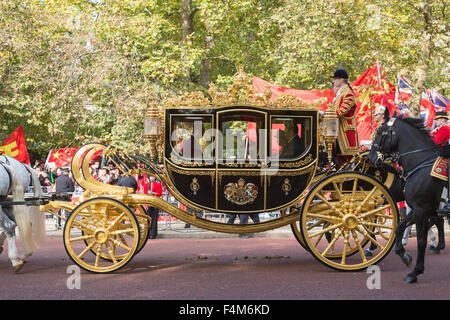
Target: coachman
x=345 y=106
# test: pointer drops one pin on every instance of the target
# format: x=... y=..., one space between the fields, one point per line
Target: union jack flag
x=439 y=102
x=404 y=89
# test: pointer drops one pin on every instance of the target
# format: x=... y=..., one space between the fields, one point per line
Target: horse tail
x=21 y=215
x=37 y=217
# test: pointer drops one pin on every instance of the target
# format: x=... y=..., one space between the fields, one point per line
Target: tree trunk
x=425 y=55
x=187 y=28
x=205 y=71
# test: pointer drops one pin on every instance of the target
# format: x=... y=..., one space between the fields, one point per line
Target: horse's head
x=385 y=142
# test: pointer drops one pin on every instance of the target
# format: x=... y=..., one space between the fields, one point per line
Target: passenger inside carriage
x=290 y=137
x=294 y=146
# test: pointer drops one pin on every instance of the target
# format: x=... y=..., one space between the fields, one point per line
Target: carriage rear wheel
x=342 y=214
x=101 y=235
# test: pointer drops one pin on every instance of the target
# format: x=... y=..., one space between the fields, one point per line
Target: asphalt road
x=220 y=269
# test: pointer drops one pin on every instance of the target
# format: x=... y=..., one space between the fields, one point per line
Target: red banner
x=15 y=147
x=370 y=89
x=260 y=85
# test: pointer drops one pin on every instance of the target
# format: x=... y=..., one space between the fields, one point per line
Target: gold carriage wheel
x=295 y=227
x=144 y=223
x=101 y=235
x=342 y=214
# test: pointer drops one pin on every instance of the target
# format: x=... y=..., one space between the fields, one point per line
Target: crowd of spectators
x=52 y=180
x=109 y=174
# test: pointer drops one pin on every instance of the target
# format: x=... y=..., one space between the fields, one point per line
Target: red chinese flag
x=15 y=147
x=61 y=157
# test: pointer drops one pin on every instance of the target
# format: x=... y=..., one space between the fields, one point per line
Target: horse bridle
x=384 y=135
x=394 y=157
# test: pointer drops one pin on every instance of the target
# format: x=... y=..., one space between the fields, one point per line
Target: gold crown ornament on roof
x=240 y=77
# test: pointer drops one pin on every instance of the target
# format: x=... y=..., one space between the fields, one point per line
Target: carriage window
x=191 y=136
x=241 y=138
x=290 y=137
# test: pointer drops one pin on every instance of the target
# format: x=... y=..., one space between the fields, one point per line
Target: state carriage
x=234 y=153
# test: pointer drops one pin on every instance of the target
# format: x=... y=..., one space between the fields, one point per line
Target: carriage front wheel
x=343 y=214
x=101 y=228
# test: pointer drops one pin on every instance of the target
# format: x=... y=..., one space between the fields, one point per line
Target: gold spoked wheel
x=344 y=213
x=101 y=235
x=144 y=223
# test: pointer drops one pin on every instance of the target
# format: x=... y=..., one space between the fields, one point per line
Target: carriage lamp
x=330 y=124
x=152 y=127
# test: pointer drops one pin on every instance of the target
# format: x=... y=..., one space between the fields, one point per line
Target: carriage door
x=241 y=155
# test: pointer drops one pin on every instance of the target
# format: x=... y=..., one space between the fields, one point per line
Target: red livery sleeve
x=442 y=135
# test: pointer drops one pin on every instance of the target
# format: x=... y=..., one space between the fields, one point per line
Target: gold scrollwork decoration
x=291 y=101
x=297 y=164
x=198 y=172
x=175 y=158
x=254 y=173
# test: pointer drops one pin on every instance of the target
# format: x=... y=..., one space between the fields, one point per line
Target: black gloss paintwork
x=270 y=193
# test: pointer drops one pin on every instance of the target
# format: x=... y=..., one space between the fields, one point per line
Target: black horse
x=408 y=142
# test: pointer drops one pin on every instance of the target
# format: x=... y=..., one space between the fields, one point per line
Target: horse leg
x=439 y=223
x=27 y=251
x=13 y=254
x=407 y=232
x=9 y=228
x=406 y=235
x=431 y=235
x=399 y=232
x=422 y=236
x=2 y=240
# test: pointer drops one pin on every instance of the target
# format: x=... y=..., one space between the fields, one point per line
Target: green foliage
x=74 y=71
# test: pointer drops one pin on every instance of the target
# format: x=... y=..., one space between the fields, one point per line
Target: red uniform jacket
x=156 y=188
x=441 y=134
x=345 y=106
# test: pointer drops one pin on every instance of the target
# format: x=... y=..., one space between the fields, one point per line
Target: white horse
x=15 y=177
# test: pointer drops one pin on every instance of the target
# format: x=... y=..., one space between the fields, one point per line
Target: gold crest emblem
x=286 y=187
x=241 y=193
x=194 y=186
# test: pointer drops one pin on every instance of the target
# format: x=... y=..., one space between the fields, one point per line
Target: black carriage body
x=240 y=159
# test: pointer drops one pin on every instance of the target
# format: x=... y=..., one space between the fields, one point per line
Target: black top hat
x=340 y=73
x=441 y=115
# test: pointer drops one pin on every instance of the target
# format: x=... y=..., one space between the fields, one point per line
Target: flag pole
x=48 y=157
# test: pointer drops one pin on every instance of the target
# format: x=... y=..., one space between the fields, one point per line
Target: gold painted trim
x=185 y=171
x=157 y=202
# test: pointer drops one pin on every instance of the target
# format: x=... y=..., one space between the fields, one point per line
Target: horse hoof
x=411 y=279
x=18 y=267
x=407 y=259
x=1 y=250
